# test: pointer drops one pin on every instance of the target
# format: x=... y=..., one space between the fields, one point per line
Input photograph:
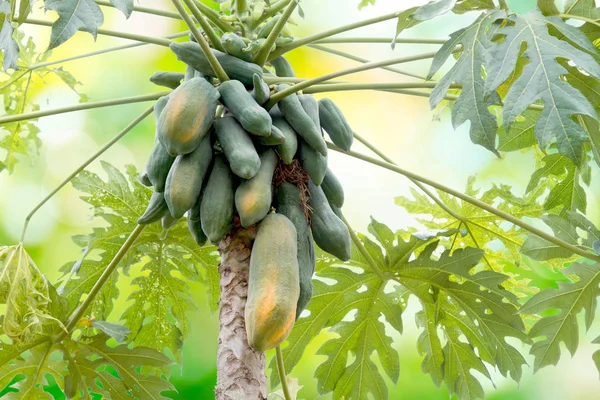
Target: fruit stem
x=82 y=106
x=265 y=50
x=212 y=36
x=361 y=248
x=214 y=63
x=270 y=12
x=106 y=32
x=478 y=203
x=107 y=146
x=282 y=378
x=114 y=263
x=379 y=40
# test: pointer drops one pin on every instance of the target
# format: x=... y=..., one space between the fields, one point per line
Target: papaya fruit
x=245 y=109
x=237 y=147
x=333 y=189
x=335 y=124
x=311 y=106
x=158 y=166
x=194 y=221
x=273 y=283
x=185 y=178
x=217 y=201
x=253 y=197
x=191 y=53
x=188 y=116
x=288 y=149
x=157 y=208
x=235 y=46
x=282 y=41
x=289 y=204
x=261 y=91
x=144 y=179
x=283 y=68
x=168 y=221
x=267 y=27
x=329 y=231
x=336 y=210
x=313 y=162
x=274 y=139
x=190 y=72
x=295 y=115
x=167 y=79
x=159 y=106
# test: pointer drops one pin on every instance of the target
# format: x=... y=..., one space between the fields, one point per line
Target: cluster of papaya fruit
x=217 y=150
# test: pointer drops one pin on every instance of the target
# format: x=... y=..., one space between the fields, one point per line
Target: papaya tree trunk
x=240 y=369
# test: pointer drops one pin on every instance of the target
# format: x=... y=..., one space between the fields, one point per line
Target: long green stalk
x=265 y=49
x=577 y=17
x=478 y=203
x=281 y=370
x=270 y=12
x=214 y=63
x=107 y=32
x=213 y=16
x=81 y=107
x=340 y=87
x=363 y=251
x=212 y=36
x=386 y=40
x=107 y=146
x=364 y=67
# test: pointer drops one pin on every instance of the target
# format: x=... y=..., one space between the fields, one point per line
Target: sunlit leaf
x=433 y=9
x=72 y=16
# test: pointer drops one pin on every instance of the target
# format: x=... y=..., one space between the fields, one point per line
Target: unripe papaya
x=261 y=91
x=311 y=106
x=287 y=150
x=190 y=72
x=313 y=162
x=194 y=221
x=168 y=221
x=144 y=180
x=329 y=231
x=157 y=208
x=267 y=27
x=299 y=120
x=273 y=283
x=237 y=147
x=188 y=116
x=289 y=204
x=245 y=109
x=217 y=201
x=158 y=166
x=185 y=178
x=283 y=68
x=191 y=53
x=253 y=197
x=274 y=139
x=159 y=106
x=168 y=79
x=235 y=46
x=335 y=124
x=333 y=189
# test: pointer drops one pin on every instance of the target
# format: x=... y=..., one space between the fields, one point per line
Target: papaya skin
x=255 y=119
x=238 y=147
x=217 y=201
x=335 y=124
x=288 y=149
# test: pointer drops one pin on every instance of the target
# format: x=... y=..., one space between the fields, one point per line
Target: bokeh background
x=403 y=126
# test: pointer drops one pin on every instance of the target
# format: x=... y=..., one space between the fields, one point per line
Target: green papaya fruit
x=335 y=124
x=194 y=221
x=191 y=53
x=289 y=203
x=295 y=115
x=267 y=27
x=336 y=210
x=329 y=231
x=288 y=149
x=157 y=208
x=311 y=106
x=235 y=45
x=261 y=91
x=282 y=41
x=237 y=147
x=253 y=197
x=144 y=179
x=159 y=106
x=283 y=68
x=158 y=166
x=276 y=138
x=217 y=201
x=333 y=189
x=273 y=283
x=188 y=116
x=245 y=109
x=185 y=178
x=313 y=162
x=168 y=221
x=167 y=79
x=190 y=72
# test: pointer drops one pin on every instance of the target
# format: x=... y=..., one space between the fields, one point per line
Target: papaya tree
x=237 y=196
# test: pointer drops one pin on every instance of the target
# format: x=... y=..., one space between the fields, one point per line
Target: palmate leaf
x=8 y=45
x=158 y=316
x=541 y=78
x=571 y=298
x=353 y=301
x=596 y=355
x=473 y=103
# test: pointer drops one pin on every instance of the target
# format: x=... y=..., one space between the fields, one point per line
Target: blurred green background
x=404 y=127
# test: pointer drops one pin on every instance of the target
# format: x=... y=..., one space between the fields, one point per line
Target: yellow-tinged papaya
x=273 y=283
x=253 y=197
x=188 y=116
x=185 y=178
